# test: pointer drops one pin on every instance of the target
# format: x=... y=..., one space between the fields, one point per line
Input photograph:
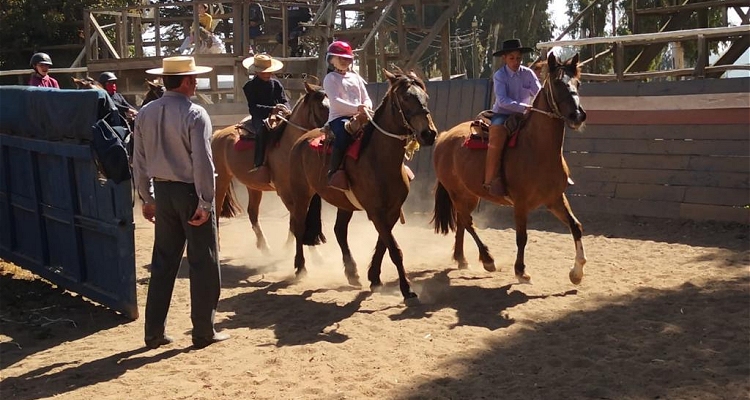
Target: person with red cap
x=347 y=93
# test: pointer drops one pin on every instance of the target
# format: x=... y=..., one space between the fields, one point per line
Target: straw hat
x=180 y=65
x=262 y=63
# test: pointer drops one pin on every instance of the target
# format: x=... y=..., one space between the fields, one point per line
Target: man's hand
x=132 y=113
x=200 y=217
x=149 y=212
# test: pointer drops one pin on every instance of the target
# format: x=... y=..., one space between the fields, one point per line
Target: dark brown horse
x=155 y=91
x=310 y=112
x=535 y=171
x=378 y=181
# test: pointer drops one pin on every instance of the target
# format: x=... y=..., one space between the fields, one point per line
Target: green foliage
x=31 y=25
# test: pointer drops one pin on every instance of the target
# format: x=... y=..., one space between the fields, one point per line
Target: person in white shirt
x=347 y=93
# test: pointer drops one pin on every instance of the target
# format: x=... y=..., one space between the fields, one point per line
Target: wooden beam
x=411 y=59
x=692 y=6
x=383 y=15
x=645 y=38
x=103 y=37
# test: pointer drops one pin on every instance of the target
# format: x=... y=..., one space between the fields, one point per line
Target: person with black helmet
x=41 y=63
x=108 y=81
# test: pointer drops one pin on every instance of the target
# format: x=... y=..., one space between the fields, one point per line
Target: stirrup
x=338 y=181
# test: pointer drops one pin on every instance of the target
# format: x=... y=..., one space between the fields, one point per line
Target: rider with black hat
x=126 y=110
x=41 y=63
x=515 y=87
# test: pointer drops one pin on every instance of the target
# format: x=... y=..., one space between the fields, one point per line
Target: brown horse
x=535 y=171
x=378 y=181
x=155 y=91
x=310 y=112
x=87 y=83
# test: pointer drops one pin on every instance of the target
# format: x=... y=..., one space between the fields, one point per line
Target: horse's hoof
x=376 y=287
x=524 y=279
x=412 y=300
x=354 y=280
x=463 y=265
x=489 y=266
x=575 y=278
x=300 y=274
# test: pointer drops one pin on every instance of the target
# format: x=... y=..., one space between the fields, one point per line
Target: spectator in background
x=257 y=19
x=205 y=21
x=41 y=63
x=295 y=16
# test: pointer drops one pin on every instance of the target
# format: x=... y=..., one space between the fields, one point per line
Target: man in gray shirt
x=172 y=147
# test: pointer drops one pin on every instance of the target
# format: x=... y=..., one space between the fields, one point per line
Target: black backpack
x=110 y=145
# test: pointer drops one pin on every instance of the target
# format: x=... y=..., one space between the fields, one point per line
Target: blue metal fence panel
x=59 y=220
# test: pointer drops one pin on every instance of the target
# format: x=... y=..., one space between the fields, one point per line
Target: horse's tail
x=231 y=207
x=444 y=215
x=313 y=224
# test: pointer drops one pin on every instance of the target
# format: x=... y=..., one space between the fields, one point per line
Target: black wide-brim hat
x=512 y=45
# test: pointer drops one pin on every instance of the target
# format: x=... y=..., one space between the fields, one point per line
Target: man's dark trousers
x=176 y=203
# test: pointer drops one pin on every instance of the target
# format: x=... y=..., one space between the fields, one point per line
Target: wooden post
x=619 y=49
x=137 y=27
x=284 y=30
x=240 y=37
x=157 y=32
x=87 y=34
x=124 y=51
x=702 y=60
x=445 y=58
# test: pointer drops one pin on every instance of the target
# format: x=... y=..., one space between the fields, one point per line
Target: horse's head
x=313 y=107
x=561 y=88
x=155 y=91
x=408 y=101
x=87 y=83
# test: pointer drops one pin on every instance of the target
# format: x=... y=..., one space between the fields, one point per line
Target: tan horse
x=535 y=171
x=378 y=181
x=311 y=111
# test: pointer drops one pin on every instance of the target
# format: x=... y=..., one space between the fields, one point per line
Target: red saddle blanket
x=244 y=145
x=320 y=144
x=477 y=142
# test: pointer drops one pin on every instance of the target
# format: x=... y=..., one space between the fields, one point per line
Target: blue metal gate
x=58 y=220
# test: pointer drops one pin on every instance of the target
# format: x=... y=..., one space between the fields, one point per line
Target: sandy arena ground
x=663 y=313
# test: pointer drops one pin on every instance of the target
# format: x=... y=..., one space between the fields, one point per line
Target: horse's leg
x=298 y=217
x=253 y=210
x=521 y=217
x=385 y=234
x=561 y=209
x=458 y=246
x=373 y=272
x=341 y=229
x=464 y=207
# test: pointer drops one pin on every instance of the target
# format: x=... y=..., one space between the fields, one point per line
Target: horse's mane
x=276 y=136
x=401 y=80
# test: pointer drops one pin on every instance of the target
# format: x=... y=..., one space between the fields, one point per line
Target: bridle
x=404 y=120
x=550 y=96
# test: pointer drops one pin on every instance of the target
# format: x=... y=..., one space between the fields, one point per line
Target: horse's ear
x=412 y=74
x=389 y=75
x=574 y=60
x=308 y=88
x=551 y=61
x=312 y=79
